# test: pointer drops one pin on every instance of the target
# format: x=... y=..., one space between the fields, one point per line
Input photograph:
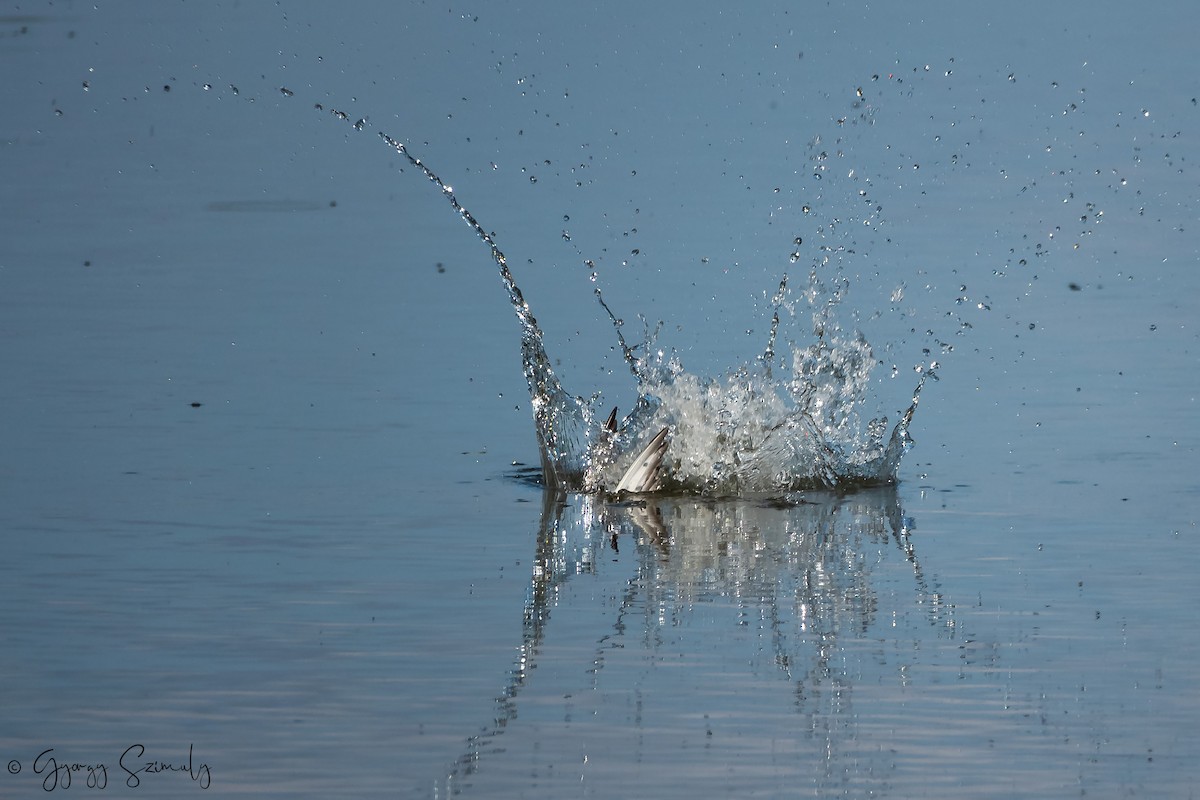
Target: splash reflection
x=799 y=569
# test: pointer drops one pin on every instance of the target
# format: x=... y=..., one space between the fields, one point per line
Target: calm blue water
x=262 y=400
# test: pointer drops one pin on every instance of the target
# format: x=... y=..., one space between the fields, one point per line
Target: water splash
x=779 y=423
x=762 y=428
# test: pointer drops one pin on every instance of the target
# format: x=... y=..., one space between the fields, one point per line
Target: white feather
x=643 y=473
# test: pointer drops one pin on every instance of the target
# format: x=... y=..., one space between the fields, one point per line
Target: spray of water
x=778 y=423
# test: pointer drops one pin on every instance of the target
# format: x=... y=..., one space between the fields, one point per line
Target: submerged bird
x=645 y=473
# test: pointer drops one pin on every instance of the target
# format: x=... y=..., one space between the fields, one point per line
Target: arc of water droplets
x=510 y=284
x=564 y=424
x=523 y=310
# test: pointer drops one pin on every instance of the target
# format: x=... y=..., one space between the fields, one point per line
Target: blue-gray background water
x=265 y=444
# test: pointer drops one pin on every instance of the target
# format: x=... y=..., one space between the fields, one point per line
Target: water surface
x=263 y=397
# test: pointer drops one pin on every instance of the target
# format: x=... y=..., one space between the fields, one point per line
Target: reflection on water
x=798 y=572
